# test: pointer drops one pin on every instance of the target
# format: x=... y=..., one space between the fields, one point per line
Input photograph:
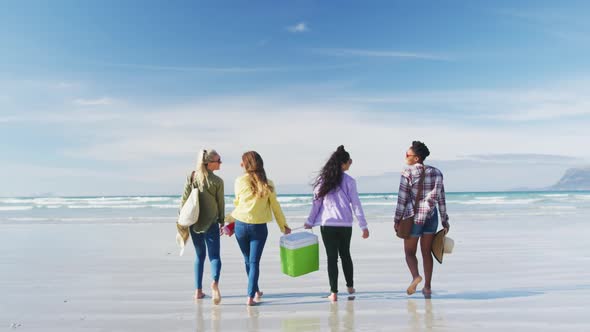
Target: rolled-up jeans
x=251 y=239
x=207 y=242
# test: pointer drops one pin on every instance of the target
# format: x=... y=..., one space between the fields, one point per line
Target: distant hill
x=458 y=179
x=574 y=179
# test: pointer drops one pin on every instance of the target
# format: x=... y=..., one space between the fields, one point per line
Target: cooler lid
x=298 y=240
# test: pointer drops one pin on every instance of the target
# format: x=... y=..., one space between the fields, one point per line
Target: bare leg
x=215 y=292
x=410 y=247
x=426 y=247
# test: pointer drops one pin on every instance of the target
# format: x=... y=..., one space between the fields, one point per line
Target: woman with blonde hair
x=205 y=232
x=255 y=203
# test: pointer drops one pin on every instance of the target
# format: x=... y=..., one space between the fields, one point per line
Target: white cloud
x=380 y=53
x=523 y=158
x=514 y=105
x=105 y=101
x=143 y=144
x=288 y=131
x=222 y=69
x=298 y=28
x=43 y=180
x=47 y=172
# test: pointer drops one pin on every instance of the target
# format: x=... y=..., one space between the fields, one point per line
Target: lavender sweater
x=336 y=207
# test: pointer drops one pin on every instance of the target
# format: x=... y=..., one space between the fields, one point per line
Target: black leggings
x=337 y=242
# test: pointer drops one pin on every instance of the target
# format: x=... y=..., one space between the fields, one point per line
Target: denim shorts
x=428 y=227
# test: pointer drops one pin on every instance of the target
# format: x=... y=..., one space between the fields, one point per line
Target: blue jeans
x=251 y=239
x=210 y=240
x=428 y=227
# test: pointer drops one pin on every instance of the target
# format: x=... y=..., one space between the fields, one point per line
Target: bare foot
x=259 y=295
x=333 y=297
x=412 y=288
x=199 y=294
x=351 y=290
x=251 y=302
x=215 y=293
x=427 y=292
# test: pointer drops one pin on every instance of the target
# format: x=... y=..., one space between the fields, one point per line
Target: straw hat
x=442 y=244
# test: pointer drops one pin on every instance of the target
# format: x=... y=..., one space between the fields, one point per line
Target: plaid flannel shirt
x=432 y=193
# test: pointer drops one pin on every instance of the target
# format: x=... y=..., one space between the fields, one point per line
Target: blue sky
x=116 y=97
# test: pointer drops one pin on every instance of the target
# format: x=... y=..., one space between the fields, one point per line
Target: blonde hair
x=254 y=166
x=201 y=172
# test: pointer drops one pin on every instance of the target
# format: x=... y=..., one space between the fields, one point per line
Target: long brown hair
x=254 y=166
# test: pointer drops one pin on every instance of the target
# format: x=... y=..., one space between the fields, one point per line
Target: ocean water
x=378 y=207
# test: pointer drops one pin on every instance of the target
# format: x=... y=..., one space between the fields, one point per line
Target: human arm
x=402 y=199
x=230 y=224
x=229 y=229
x=355 y=202
x=315 y=210
x=220 y=198
x=442 y=203
x=229 y=219
x=278 y=213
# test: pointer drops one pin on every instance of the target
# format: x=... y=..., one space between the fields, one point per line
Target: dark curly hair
x=330 y=176
x=421 y=150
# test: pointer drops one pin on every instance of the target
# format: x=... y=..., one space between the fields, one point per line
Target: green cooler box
x=299 y=254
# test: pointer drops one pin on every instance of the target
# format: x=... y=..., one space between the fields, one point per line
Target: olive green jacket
x=211 y=202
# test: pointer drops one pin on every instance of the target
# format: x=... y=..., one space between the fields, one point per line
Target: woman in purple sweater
x=335 y=201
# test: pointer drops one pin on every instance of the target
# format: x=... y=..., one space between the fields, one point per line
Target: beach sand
x=525 y=275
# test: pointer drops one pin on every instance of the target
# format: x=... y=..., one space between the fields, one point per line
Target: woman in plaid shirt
x=426 y=217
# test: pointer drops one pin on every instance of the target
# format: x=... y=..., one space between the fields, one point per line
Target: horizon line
x=310 y=194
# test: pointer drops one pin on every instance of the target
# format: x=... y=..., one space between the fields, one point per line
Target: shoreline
x=121 y=277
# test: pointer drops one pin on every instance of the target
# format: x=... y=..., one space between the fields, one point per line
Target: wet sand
x=528 y=275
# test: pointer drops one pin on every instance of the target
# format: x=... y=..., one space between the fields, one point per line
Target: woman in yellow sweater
x=255 y=203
